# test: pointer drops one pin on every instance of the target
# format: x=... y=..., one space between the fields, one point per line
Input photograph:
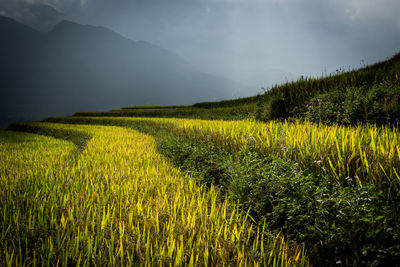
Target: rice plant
x=365 y=154
x=118 y=202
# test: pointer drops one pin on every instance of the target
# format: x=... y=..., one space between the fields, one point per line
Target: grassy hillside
x=370 y=94
x=246 y=111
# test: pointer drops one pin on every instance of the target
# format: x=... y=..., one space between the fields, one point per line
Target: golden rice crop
x=367 y=154
x=119 y=202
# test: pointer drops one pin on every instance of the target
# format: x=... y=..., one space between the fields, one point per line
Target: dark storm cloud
x=240 y=38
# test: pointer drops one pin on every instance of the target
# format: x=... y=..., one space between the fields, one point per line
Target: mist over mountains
x=77 y=67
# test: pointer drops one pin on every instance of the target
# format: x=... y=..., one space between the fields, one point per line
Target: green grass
x=225 y=113
x=292 y=98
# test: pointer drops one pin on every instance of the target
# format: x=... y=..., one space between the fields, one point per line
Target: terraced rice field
x=109 y=198
x=366 y=154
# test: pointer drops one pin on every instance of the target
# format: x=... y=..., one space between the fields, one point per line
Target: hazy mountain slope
x=76 y=67
x=42 y=17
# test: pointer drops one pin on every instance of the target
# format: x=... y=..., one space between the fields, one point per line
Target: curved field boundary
x=78 y=138
x=352 y=155
x=122 y=203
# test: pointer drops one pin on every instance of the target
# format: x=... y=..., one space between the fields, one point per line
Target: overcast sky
x=242 y=38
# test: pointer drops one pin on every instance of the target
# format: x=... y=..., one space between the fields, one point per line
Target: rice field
x=365 y=154
x=236 y=112
x=116 y=201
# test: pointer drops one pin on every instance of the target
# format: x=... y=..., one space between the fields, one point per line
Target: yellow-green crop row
x=119 y=202
x=366 y=154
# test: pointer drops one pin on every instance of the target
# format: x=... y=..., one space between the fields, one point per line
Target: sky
x=245 y=40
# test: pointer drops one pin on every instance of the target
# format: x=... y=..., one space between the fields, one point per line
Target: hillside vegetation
x=370 y=94
x=218 y=113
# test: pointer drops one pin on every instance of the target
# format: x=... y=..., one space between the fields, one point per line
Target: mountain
x=39 y=16
x=77 y=67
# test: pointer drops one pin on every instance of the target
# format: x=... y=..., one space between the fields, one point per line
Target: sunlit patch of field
x=365 y=154
x=118 y=202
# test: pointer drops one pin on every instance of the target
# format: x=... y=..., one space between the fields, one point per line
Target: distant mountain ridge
x=77 y=67
x=41 y=17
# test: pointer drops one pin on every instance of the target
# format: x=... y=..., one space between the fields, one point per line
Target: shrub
x=378 y=104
